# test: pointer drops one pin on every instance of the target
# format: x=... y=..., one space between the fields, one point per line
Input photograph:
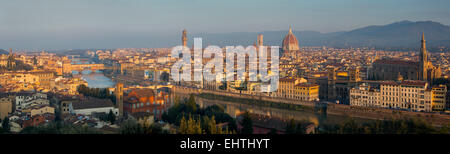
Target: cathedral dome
x=290 y=42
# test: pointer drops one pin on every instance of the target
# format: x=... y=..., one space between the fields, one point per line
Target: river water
x=95 y=79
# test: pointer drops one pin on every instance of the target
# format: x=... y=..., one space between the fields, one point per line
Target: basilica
x=290 y=45
x=388 y=69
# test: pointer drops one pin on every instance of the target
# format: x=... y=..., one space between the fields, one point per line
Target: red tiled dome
x=290 y=42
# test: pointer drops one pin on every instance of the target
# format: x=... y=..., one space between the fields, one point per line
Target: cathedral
x=388 y=69
x=290 y=44
x=8 y=61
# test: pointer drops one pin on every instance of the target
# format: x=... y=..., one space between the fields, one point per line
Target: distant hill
x=398 y=35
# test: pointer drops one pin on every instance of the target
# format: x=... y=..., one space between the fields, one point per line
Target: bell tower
x=119 y=98
x=423 y=59
x=184 y=38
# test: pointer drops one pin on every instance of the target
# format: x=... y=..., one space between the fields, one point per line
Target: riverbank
x=331 y=109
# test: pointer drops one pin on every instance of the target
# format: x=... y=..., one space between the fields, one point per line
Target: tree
x=165 y=76
x=5 y=124
x=194 y=126
x=273 y=131
x=211 y=127
x=247 y=124
x=183 y=126
x=131 y=127
x=35 y=62
x=192 y=105
x=111 y=117
x=290 y=128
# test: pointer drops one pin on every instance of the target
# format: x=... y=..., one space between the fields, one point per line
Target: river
x=95 y=79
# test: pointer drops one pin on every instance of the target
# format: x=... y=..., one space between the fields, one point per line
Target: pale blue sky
x=53 y=23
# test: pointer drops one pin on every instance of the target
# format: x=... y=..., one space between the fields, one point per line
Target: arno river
x=95 y=79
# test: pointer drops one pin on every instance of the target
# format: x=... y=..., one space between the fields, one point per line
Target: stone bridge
x=68 y=68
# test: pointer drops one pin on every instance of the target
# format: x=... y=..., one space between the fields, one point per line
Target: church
x=7 y=61
x=290 y=46
x=388 y=69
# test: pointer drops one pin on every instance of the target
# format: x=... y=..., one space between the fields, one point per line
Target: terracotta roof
x=92 y=103
x=143 y=92
x=287 y=80
x=290 y=40
x=414 y=83
x=395 y=62
x=306 y=85
x=391 y=83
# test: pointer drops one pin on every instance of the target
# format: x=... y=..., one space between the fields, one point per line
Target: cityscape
x=327 y=88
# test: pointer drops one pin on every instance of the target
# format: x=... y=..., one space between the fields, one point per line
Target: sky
x=54 y=24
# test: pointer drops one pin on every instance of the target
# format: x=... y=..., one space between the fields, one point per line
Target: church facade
x=388 y=69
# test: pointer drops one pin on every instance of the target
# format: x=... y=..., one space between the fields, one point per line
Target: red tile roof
x=395 y=62
x=414 y=83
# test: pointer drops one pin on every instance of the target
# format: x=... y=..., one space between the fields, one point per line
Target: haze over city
x=62 y=24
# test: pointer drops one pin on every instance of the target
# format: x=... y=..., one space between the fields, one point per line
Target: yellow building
x=439 y=97
x=5 y=107
x=25 y=78
x=37 y=110
x=306 y=91
x=297 y=88
x=405 y=95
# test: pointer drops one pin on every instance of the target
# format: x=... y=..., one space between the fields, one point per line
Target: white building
x=406 y=95
x=88 y=107
x=26 y=99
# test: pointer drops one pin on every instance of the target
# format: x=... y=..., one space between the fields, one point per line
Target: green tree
x=5 y=124
x=183 y=126
x=131 y=127
x=191 y=104
x=247 y=123
x=212 y=128
x=273 y=131
x=165 y=76
x=290 y=128
x=111 y=117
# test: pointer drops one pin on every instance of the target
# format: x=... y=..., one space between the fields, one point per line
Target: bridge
x=68 y=68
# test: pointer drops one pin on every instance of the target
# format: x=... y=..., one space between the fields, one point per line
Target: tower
x=423 y=60
x=184 y=38
x=354 y=75
x=260 y=40
x=11 y=63
x=119 y=98
x=331 y=93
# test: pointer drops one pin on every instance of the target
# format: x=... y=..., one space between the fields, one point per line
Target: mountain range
x=399 y=35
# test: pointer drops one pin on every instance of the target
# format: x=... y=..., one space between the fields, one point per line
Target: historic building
x=335 y=86
x=8 y=61
x=184 y=38
x=119 y=97
x=151 y=101
x=439 y=94
x=389 y=69
x=297 y=88
x=290 y=44
x=6 y=106
x=406 y=95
